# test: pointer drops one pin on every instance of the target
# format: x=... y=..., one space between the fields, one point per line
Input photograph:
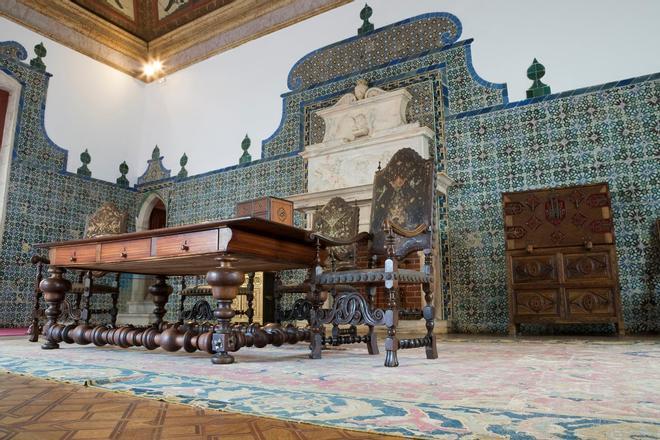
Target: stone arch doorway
x=10 y=89
x=152 y=213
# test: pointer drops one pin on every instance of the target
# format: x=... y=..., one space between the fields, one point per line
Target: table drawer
x=125 y=250
x=184 y=244
x=74 y=255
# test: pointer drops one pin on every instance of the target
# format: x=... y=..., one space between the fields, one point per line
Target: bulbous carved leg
x=160 y=292
x=391 y=321
x=224 y=282
x=54 y=289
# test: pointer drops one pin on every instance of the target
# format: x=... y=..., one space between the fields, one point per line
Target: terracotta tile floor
x=43 y=410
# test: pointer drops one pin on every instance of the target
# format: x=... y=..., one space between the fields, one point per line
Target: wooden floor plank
x=37 y=409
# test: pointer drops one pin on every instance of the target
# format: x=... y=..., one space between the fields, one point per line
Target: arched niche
x=141 y=305
x=13 y=87
x=153 y=201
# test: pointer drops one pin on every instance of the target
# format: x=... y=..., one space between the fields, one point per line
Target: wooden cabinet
x=561 y=257
x=269 y=208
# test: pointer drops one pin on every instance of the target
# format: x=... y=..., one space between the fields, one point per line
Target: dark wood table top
x=258 y=244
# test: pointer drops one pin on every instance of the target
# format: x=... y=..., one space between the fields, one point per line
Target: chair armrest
x=329 y=241
x=408 y=233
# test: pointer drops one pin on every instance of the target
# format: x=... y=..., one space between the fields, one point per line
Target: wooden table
x=222 y=250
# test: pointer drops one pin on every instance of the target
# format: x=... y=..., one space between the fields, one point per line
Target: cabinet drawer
x=587 y=266
x=74 y=255
x=533 y=269
x=183 y=244
x=537 y=302
x=593 y=301
x=125 y=250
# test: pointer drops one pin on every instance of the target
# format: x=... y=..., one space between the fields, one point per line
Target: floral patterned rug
x=477 y=389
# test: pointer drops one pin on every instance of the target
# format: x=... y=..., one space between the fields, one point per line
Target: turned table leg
x=54 y=289
x=160 y=292
x=224 y=281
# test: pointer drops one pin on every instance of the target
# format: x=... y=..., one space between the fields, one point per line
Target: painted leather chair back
x=403 y=194
x=339 y=219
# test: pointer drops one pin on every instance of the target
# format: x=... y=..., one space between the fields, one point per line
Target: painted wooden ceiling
x=149 y=19
x=129 y=34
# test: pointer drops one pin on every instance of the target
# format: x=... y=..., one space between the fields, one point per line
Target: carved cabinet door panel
x=540 y=303
x=587 y=267
x=535 y=269
x=590 y=302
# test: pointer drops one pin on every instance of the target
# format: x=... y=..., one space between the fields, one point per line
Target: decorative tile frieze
x=488 y=145
x=605 y=135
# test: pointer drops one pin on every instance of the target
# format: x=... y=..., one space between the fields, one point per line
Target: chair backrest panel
x=107 y=220
x=403 y=193
x=339 y=220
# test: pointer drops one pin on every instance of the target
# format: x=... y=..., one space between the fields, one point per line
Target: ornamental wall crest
x=155 y=169
x=365 y=112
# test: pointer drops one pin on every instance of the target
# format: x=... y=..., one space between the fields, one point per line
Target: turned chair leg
x=85 y=312
x=277 y=299
x=429 y=315
x=182 y=300
x=335 y=327
x=249 y=311
x=372 y=343
x=391 y=321
x=34 y=329
x=114 y=311
x=317 y=329
x=76 y=307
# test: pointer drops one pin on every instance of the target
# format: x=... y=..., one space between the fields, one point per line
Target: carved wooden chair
x=339 y=220
x=202 y=311
x=107 y=220
x=401 y=223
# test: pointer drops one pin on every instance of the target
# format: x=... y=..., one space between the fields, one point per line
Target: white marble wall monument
x=362 y=130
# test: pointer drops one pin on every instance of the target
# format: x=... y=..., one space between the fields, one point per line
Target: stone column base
x=405 y=329
x=139 y=313
x=415 y=329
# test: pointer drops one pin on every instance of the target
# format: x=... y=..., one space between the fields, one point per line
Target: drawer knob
x=184 y=246
x=124 y=254
x=73 y=258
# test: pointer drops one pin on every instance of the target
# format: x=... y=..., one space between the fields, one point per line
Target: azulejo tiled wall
x=44 y=202
x=607 y=133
